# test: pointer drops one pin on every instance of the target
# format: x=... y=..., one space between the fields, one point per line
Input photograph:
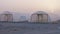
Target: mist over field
x=27 y=7
x=15 y=20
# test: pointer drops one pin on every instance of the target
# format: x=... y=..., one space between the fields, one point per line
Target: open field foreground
x=24 y=28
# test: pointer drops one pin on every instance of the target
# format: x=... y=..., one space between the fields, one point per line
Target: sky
x=30 y=6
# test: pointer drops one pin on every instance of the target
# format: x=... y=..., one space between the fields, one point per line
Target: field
x=25 y=28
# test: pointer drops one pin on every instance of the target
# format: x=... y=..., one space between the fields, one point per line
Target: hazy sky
x=29 y=6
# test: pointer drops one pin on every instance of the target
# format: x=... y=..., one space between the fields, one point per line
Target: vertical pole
x=37 y=18
x=7 y=17
x=12 y=18
x=47 y=17
x=31 y=19
x=41 y=18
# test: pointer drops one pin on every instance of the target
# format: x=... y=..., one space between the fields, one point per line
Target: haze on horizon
x=29 y=6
